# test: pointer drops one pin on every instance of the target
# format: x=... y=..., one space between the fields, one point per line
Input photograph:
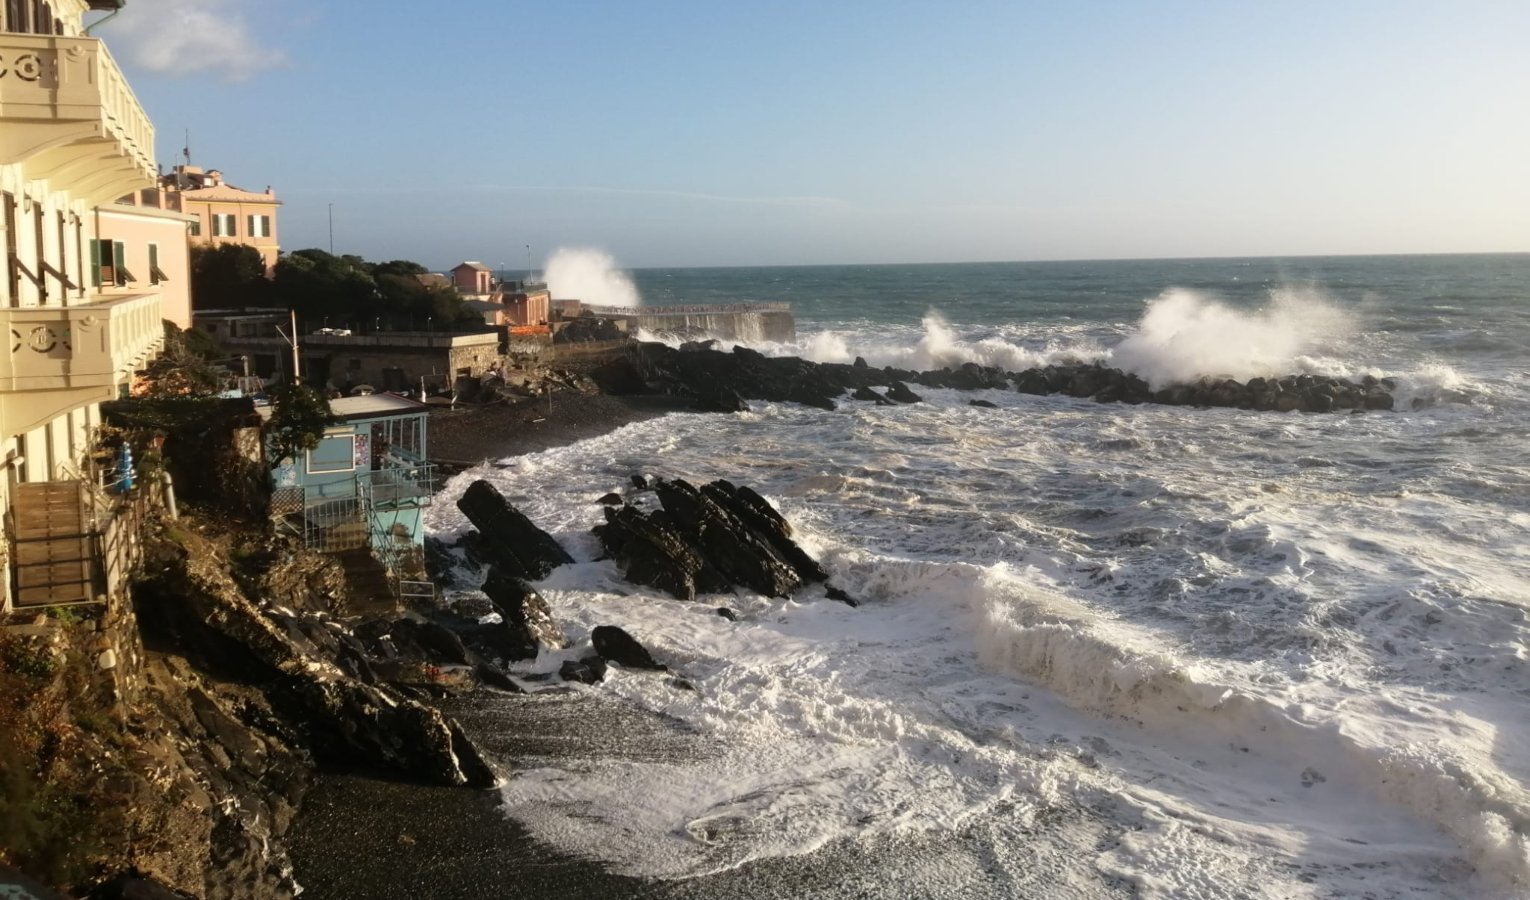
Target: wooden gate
x=55 y=559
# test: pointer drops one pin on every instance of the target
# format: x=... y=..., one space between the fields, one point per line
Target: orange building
x=223 y=214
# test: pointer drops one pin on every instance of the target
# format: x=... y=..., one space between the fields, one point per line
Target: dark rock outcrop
x=617 y=646
x=707 y=374
x=528 y=624
x=508 y=538
x=189 y=600
x=706 y=540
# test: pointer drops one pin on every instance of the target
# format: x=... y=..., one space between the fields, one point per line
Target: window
x=260 y=226
x=156 y=274
x=333 y=454
x=196 y=227
x=223 y=224
x=108 y=263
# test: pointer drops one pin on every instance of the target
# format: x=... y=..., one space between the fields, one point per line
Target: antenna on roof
x=186 y=152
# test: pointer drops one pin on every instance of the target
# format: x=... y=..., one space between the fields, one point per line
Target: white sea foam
x=590 y=275
x=1263 y=655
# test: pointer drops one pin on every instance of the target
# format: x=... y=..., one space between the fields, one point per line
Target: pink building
x=473 y=277
x=143 y=248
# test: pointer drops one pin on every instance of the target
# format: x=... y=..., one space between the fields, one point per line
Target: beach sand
x=469 y=435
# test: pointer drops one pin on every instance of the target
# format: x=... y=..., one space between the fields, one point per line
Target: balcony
x=70 y=117
x=59 y=357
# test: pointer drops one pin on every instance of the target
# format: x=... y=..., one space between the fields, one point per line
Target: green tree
x=228 y=276
x=182 y=369
x=299 y=415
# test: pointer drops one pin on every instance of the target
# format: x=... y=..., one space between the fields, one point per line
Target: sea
x=1101 y=650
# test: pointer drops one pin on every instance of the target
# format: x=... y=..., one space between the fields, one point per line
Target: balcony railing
x=90 y=346
x=60 y=99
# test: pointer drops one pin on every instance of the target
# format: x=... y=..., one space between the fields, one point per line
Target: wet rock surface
x=705 y=373
x=707 y=540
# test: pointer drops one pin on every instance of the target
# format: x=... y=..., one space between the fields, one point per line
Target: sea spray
x=582 y=273
x=1185 y=335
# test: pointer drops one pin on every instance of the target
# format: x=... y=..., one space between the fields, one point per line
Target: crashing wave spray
x=590 y=275
x=1184 y=336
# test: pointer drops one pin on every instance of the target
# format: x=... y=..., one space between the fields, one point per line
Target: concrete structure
x=222 y=213
x=366 y=485
x=473 y=277
x=386 y=360
x=148 y=247
x=742 y=322
x=72 y=138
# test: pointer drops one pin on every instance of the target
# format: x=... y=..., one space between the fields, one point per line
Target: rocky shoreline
x=248 y=677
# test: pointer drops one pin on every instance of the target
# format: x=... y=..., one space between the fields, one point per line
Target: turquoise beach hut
x=364 y=487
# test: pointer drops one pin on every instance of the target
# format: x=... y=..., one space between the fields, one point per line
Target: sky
x=679 y=133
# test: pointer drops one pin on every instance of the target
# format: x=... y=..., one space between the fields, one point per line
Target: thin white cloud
x=188 y=37
x=813 y=202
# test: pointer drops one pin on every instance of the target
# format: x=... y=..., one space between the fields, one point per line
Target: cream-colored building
x=72 y=138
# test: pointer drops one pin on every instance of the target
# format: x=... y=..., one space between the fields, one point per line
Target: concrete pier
x=743 y=322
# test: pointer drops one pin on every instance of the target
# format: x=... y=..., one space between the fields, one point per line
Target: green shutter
x=119 y=261
x=95 y=262
x=251 y=231
x=153 y=264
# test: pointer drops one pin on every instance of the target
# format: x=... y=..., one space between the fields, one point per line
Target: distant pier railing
x=690 y=310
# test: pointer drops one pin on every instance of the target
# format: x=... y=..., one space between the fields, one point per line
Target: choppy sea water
x=1191 y=652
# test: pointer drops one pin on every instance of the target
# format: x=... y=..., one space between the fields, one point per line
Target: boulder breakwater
x=722 y=381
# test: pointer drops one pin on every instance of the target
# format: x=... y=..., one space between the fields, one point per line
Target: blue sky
x=691 y=133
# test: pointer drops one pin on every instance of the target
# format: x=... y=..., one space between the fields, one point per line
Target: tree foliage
x=228 y=276
x=299 y=415
x=348 y=291
x=182 y=369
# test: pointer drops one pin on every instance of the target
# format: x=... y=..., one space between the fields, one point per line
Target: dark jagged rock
x=835 y=593
x=745 y=557
x=510 y=540
x=757 y=513
x=611 y=499
x=617 y=646
x=722 y=400
x=865 y=393
x=527 y=619
x=727 y=613
x=704 y=374
x=983 y=404
x=432 y=641
x=188 y=597
x=649 y=550
x=639 y=481
x=589 y=670
x=495 y=677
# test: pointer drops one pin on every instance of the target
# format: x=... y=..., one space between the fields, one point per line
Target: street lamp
x=377 y=326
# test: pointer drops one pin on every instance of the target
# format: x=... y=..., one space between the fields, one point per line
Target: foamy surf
x=1191 y=653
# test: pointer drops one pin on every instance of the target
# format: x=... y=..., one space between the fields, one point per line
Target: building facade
x=473 y=278
x=147 y=246
x=220 y=213
x=72 y=138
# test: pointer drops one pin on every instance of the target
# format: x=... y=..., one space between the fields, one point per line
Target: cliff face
x=174 y=738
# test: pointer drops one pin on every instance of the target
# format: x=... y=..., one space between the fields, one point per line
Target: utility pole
x=296 y=366
x=528 y=263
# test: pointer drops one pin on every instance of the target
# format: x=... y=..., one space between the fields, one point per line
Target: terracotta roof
x=472 y=264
